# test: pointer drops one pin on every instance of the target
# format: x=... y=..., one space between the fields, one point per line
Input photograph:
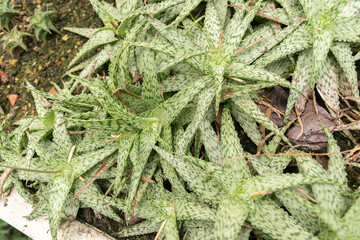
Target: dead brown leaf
x=312 y=138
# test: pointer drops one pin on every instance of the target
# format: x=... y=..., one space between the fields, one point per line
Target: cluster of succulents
x=40 y=22
x=177 y=89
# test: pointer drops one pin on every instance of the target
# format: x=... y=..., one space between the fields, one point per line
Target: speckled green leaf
x=313 y=9
x=292 y=7
x=82 y=163
x=343 y=55
x=194 y=32
x=298 y=40
x=111 y=104
x=187 y=210
x=142 y=228
x=197 y=230
x=180 y=42
x=113 y=125
x=198 y=180
x=101 y=37
x=252 y=53
x=250 y=108
x=92 y=197
x=277 y=182
x=17 y=136
x=94 y=63
x=301 y=79
x=177 y=186
x=231 y=148
x=246 y=122
x=147 y=140
x=275 y=14
x=212 y=25
x=328 y=86
x=164 y=66
x=229 y=218
x=179 y=81
x=118 y=69
x=93 y=139
x=211 y=141
x=187 y=8
x=125 y=145
x=104 y=15
x=346 y=29
x=327 y=196
x=47 y=158
x=245 y=71
x=84 y=100
x=235 y=31
x=321 y=46
x=85 y=32
x=336 y=168
x=167 y=111
x=300 y=212
x=150 y=89
x=57 y=195
x=61 y=138
x=351 y=220
x=331 y=221
x=205 y=98
x=274 y=221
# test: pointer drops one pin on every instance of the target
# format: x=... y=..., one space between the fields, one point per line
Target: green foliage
x=14 y=39
x=6 y=11
x=328 y=27
x=8 y=232
x=176 y=92
x=41 y=22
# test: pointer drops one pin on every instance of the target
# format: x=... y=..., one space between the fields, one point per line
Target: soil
x=44 y=63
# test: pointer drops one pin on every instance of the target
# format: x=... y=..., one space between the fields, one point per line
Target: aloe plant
x=57 y=164
x=241 y=197
x=41 y=22
x=116 y=19
x=14 y=39
x=6 y=11
x=336 y=217
x=213 y=54
x=329 y=27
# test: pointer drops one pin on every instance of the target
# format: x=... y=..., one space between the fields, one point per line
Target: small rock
x=13 y=98
x=4 y=78
x=65 y=38
x=53 y=91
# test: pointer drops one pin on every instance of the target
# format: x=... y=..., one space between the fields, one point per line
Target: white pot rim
x=14 y=210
